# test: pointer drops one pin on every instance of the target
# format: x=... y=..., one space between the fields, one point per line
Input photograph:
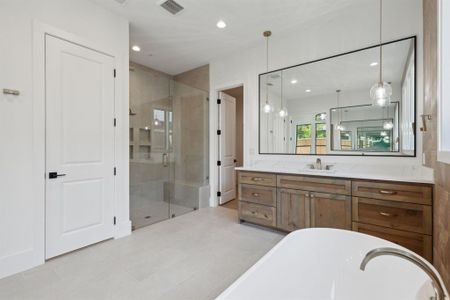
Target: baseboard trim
x=19 y=262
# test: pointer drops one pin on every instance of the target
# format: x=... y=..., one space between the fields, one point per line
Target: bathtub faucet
x=436 y=282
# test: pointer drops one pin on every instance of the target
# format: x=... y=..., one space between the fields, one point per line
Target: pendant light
x=283 y=111
x=339 y=127
x=381 y=92
x=267 y=108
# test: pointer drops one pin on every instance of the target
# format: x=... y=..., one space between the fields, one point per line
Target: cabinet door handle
x=255 y=194
x=386 y=192
x=385 y=214
x=257 y=179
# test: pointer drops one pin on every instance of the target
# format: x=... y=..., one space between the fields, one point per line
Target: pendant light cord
x=267 y=54
x=267 y=70
x=381 y=41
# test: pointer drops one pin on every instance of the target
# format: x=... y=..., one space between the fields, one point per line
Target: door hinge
x=219 y=194
x=219 y=132
x=115 y=122
x=114 y=220
x=115 y=73
x=219 y=163
x=115 y=171
x=219 y=101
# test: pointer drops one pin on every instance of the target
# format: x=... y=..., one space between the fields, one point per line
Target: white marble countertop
x=389 y=172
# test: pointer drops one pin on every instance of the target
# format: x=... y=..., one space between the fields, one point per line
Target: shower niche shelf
x=145 y=137
x=145 y=152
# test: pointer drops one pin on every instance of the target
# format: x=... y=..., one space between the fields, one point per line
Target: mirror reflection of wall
x=324 y=107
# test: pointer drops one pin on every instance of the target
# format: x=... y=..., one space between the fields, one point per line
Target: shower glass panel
x=190 y=149
x=151 y=162
x=168 y=147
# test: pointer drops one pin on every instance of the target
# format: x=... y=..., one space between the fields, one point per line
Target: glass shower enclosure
x=168 y=147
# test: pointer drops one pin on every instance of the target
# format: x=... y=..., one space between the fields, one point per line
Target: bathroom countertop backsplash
x=390 y=172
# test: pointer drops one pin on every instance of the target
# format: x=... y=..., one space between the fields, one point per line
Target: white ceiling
x=177 y=43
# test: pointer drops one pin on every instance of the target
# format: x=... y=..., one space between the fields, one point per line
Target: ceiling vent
x=172 y=7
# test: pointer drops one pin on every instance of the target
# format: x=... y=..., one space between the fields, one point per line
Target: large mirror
x=324 y=107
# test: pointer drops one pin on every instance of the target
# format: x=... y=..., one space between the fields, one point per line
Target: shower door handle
x=164 y=159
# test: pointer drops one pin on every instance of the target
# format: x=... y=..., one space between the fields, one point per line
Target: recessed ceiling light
x=136 y=48
x=221 y=24
x=374 y=64
x=294 y=81
x=308 y=91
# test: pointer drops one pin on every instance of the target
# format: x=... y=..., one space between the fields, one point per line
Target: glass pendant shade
x=283 y=112
x=267 y=108
x=381 y=93
x=388 y=125
x=340 y=127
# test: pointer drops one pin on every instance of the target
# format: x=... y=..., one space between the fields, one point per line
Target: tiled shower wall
x=441 y=254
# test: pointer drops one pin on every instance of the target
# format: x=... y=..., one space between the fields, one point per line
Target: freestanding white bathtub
x=313 y=264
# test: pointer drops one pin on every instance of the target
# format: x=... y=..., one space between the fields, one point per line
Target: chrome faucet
x=437 y=285
x=318 y=164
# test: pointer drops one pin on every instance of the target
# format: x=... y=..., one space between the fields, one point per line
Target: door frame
x=120 y=201
x=214 y=125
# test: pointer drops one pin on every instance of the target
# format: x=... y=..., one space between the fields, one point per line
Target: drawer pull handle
x=385 y=214
x=385 y=192
x=255 y=194
x=266 y=216
x=257 y=179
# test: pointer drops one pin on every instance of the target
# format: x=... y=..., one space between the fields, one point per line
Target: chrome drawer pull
x=257 y=179
x=385 y=192
x=385 y=214
x=255 y=194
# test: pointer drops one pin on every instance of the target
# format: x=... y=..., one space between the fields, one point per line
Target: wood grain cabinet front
x=331 y=211
x=419 y=243
x=258 y=194
x=257 y=214
x=315 y=184
x=395 y=215
x=393 y=191
x=257 y=178
x=293 y=209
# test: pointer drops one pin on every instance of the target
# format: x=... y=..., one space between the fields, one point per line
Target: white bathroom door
x=79 y=146
x=227 y=148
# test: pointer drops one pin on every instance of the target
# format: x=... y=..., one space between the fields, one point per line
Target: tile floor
x=195 y=256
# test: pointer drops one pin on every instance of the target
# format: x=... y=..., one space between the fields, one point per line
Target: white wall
x=353 y=28
x=21 y=153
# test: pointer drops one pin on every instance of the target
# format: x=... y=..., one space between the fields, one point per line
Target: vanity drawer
x=396 y=215
x=403 y=192
x=258 y=178
x=257 y=214
x=258 y=194
x=315 y=184
x=419 y=243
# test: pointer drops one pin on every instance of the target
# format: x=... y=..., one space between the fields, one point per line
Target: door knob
x=53 y=175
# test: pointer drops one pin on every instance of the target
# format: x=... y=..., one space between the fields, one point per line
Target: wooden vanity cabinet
x=257 y=195
x=396 y=211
